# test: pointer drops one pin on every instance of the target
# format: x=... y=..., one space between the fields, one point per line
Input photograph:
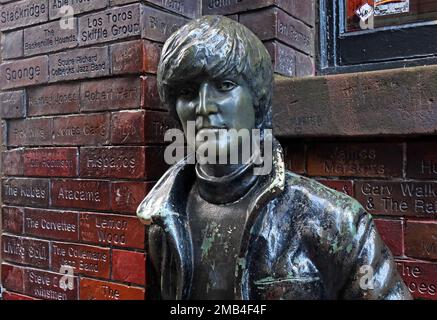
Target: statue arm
x=154 y=262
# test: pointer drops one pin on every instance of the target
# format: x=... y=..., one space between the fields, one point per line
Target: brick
x=110 y=25
x=294 y=157
x=13 y=220
x=129 y=266
x=127 y=196
x=51 y=224
x=344 y=186
x=391 y=232
x=78 y=6
x=15 y=296
x=25 y=192
x=12 y=277
x=25 y=251
x=91 y=289
x=113 y=230
x=138 y=56
x=189 y=9
x=112 y=162
x=12 y=162
x=305 y=65
x=54 y=99
x=421 y=240
x=157 y=124
x=149 y=94
x=50 y=162
x=422 y=160
x=158 y=25
x=47 y=285
x=155 y=164
x=30 y=132
x=81 y=194
x=355 y=159
x=127 y=127
x=274 y=23
x=34 y=11
x=283 y=58
x=89 y=129
x=110 y=94
x=22 y=73
x=11 y=46
x=303 y=10
x=86 y=260
x=49 y=37
x=77 y=64
x=409 y=198
x=13 y=104
x=420 y=278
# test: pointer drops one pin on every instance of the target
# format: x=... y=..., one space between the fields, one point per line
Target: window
x=377 y=34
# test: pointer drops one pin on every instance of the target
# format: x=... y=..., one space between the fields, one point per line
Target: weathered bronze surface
x=221 y=232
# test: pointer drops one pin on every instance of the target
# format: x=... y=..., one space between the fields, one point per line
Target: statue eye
x=226 y=85
x=188 y=92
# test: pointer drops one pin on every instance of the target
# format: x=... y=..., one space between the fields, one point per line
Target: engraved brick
x=138 y=56
x=85 y=260
x=127 y=196
x=420 y=278
x=47 y=285
x=23 y=73
x=422 y=160
x=79 y=64
x=127 y=127
x=112 y=230
x=283 y=58
x=157 y=124
x=81 y=129
x=13 y=104
x=80 y=6
x=304 y=65
x=112 y=162
x=274 y=23
x=149 y=94
x=12 y=162
x=294 y=157
x=24 y=191
x=27 y=251
x=50 y=162
x=13 y=219
x=189 y=9
x=23 y=13
x=82 y=194
x=128 y=266
x=52 y=224
x=119 y=93
x=54 y=99
x=12 y=296
x=421 y=239
x=11 y=46
x=110 y=25
x=392 y=233
x=344 y=186
x=30 y=132
x=91 y=289
x=12 y=277
x=158 y=25
x=355 y=159
x=49 y=37
x=408 y=198
x=155 y=163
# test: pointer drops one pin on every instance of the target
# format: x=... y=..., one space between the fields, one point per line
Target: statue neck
x=220 y=184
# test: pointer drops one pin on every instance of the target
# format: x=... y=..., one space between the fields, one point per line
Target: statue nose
x=206 y=103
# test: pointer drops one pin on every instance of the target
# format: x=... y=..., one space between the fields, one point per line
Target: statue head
x=217 y=73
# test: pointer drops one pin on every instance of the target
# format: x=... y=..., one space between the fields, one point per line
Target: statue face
x=216 y=104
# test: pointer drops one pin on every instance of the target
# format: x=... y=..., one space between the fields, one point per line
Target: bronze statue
x=218 y=231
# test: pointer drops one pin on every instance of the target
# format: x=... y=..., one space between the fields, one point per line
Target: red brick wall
x=83 y=127
x=395 y=181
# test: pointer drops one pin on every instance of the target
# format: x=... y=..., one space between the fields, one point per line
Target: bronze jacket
x=302 y=240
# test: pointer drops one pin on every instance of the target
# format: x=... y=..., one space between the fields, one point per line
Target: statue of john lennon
x=219 y=231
